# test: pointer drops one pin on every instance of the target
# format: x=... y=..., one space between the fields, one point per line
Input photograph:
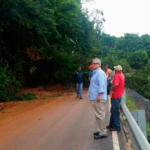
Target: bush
x=26 y=96
x=138 y=59
x=113 y=61
x=139 y=81
x=9 y=84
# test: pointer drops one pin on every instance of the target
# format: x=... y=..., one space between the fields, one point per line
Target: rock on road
x=67 y=123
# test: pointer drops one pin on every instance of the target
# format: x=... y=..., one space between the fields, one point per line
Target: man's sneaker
x=80 y=97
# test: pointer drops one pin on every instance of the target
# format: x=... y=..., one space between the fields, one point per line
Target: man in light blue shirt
x=97 y=95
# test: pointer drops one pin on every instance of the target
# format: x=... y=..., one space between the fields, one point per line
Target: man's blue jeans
x=79 y=89
x=115 y=115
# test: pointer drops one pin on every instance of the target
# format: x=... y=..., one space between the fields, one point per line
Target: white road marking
x=115 y=140
x=114 y=133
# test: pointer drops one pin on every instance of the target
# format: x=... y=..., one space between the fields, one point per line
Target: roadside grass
x=26 y=96
x=58 y=95
x=131 y=106
x=148 y=130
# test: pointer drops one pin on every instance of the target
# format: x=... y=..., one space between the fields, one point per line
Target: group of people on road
x=102 y=84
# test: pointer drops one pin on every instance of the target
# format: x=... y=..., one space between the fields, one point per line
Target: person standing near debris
x=111 y=72
x=79 y=79
x=91 y=72
x=97 y=94
x=116 y=91
x=107 y=72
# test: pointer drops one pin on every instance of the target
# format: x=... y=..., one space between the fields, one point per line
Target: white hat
x=118 y=68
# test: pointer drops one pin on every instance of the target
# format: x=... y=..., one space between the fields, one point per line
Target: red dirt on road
x=63 y=122
x=45 y=94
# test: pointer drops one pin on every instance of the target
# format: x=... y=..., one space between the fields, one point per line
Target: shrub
x=139 y=81
x=138 y=59
x=9 y=84
x=26 y=96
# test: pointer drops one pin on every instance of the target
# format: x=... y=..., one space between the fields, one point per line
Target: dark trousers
x=108 y=87
x=115 y=115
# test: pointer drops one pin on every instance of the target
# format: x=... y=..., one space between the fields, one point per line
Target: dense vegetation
x=43 y=41
x=132 y=52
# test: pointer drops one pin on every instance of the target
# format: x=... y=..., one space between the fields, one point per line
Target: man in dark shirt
x=79 y=78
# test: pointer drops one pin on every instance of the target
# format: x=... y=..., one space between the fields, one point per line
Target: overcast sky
x=124 y=16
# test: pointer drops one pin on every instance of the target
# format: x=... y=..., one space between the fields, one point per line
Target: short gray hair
x=98 y=60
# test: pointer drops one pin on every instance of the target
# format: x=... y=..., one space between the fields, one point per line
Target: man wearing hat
x=116 y=91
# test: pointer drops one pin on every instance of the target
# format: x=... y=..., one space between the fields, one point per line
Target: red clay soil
x=48 y=90
x=45 y=94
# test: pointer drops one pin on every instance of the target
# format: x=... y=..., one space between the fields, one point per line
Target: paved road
x=65 y=124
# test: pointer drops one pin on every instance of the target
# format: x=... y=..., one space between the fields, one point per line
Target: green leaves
x=139 y=81
x=26 y=96
x=138 y=59
x=59 y=33
x=9 y=84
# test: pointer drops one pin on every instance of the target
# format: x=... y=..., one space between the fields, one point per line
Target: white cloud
x=124 y=16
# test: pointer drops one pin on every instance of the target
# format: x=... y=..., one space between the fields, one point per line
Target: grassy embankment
x=131 y=106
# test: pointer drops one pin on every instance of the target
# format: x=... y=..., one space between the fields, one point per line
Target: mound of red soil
x=45 y=94
x=48 y=90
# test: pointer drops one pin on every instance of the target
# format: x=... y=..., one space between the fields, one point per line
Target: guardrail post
x=139 y=116
x=137 y=137
x=124 y=97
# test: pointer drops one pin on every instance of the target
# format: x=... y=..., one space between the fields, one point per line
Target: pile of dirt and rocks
x=41 y=92
x=140 y=101
x=45 y=94
x=48 y=90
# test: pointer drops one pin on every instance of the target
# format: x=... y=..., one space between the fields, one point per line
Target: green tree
x=138 y=59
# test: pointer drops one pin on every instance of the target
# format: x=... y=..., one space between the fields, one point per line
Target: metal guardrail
x=137 y=137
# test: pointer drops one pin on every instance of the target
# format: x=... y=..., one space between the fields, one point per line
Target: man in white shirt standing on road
x=97 y=95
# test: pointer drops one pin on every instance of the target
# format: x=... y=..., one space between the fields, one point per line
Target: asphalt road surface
x=65 y=124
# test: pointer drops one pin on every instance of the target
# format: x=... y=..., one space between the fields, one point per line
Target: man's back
x=111 y=73
x=118 y=79
x=90 y=73
x=107 y=72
